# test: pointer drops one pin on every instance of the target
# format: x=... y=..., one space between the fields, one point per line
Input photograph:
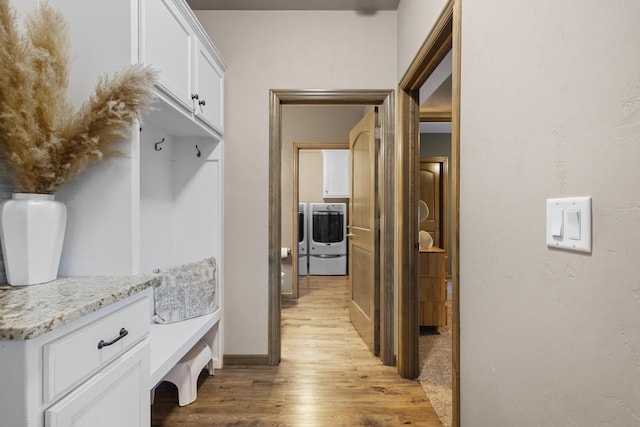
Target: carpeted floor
x=435 y=368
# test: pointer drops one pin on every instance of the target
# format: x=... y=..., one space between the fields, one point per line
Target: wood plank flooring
x=327 y=377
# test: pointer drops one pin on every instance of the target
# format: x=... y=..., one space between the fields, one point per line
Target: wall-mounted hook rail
x=198 y=153
x=158 y=143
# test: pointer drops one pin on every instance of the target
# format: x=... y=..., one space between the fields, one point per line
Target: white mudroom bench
x=171 y=342
x=180 y=330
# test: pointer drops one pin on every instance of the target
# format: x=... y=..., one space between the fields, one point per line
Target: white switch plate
x=567 y=238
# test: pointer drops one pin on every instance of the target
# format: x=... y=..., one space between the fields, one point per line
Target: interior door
x=363 y=232
x=430 y=193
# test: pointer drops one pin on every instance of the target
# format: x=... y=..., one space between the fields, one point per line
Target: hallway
x=327 y=377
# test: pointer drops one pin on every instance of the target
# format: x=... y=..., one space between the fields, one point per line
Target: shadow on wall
x=6 y=189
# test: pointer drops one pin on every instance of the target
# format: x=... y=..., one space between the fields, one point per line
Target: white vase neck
x=32 y=196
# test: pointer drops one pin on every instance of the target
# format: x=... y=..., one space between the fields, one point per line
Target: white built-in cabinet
x=335 y=173
x=133 y=213
x=191 y=73
x=209 y=88
x=118 y=388
x=63 y=378
x=157 y=205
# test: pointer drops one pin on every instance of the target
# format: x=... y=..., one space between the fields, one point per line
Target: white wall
x=550 y=108
x=179 y=200
x=278 y=50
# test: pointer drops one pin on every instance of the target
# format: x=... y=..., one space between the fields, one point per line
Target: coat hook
x=198 y=154
x=158 y=143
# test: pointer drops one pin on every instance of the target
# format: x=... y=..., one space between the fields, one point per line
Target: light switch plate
x=567 y=240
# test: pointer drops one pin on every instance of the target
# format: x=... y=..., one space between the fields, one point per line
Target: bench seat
x=170 y=342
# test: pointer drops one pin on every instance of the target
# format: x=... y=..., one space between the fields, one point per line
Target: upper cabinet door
x=209 y=82
x=167 y=42
x=335 y=173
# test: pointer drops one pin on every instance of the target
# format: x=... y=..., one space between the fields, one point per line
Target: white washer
x=327 y=239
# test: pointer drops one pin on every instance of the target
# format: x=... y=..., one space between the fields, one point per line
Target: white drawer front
x=70 y=359
x=118 y=396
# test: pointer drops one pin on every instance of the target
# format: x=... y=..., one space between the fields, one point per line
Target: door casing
x=385 y=100
x=444 y=36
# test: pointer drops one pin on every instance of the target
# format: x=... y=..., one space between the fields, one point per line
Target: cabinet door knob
x=195 y=96
x=103 y=343
x=201 y=102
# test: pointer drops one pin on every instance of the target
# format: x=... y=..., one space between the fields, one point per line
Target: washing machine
x=327 y=239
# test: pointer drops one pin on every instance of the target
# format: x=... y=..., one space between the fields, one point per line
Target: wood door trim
x=297 y=146
x=385 y=99
x=435 y=116
x=445 y=36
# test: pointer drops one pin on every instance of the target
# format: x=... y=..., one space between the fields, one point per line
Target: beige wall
x=415 y=19
x=310 y=187
x=278 y=50
x=550 y=108
x=550 y=102
x=327 y=124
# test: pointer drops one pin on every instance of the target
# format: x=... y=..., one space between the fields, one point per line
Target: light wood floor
x=327 y=377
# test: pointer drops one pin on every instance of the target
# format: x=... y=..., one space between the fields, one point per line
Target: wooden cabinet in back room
x=433 y=287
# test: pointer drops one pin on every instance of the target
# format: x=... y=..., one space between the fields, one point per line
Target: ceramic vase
x=32 y=230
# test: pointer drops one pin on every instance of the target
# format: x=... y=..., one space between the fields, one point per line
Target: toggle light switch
x=573 y=224
x=557 y=222
x=569 y=223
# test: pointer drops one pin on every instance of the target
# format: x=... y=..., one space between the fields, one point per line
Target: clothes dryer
x=303 y=241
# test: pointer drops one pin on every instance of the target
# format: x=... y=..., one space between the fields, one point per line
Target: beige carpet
x=435 y=370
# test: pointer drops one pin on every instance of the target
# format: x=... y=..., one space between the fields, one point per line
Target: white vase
x=32 y=231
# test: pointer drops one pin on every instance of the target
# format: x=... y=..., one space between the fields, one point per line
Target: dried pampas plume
x=45 y=142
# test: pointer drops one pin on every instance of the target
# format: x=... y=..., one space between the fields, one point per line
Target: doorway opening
x=300 y=214
x=385 y=101
x=443 y=38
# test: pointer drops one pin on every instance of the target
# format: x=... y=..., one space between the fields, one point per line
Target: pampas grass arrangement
x=44 y=140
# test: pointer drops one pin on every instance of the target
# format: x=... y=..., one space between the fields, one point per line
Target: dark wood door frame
x=386 y=101
x=444 y=36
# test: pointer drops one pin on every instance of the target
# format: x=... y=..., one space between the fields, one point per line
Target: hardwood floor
x=327 y=377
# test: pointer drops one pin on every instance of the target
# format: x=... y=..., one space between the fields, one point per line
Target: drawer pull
x=103 y=343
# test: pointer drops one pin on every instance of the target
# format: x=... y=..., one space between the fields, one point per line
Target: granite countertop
x=29 y=311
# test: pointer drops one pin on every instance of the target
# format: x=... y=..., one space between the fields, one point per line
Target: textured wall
x=550 y=108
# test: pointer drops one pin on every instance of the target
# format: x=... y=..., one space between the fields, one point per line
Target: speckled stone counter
x=29 y=311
